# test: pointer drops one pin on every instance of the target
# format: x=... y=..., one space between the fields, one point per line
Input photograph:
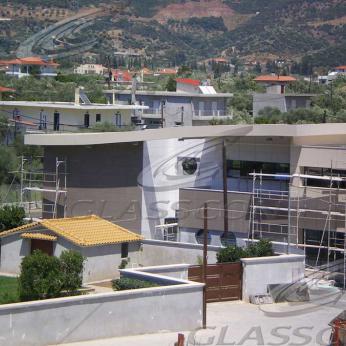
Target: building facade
x=175 y=108
x=285 y=183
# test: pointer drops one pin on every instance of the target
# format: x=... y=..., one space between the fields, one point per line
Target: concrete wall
x=191 y=215
x=101 y=180
x=101 y=263
x=13 y=250
x=162 y=176
x=156 y=252
x=174 y=307
x=258 y=273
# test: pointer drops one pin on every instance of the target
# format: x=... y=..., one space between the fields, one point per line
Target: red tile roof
x=121 y=75
x=4 y=89
x=167 y=71
x=343 y=67
x=193 y=82
x=272 y=78
x=29 y=61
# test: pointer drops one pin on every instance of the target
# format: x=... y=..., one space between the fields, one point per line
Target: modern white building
x=66 y=116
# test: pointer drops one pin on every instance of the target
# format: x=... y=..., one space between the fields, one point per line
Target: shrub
x=44 y=276
x=123 y=264
x=261 y=249
x=234 y=253
x=230 y=254
x=131 y=284
x=11 y=217
x=71 y=264
x=40 y=277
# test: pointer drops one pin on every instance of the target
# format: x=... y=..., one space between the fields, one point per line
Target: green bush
x=131 y=284
x=232 y=253
x=71 y=265
x=40 y=277
x=261 y=249
x=11 y=217
x=44 y=276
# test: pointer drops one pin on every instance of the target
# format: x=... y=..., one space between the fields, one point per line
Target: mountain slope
x=181 y=31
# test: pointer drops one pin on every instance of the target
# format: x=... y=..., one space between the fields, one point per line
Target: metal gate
x=224 y=281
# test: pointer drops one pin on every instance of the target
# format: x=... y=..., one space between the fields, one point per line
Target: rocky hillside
x=182 y=31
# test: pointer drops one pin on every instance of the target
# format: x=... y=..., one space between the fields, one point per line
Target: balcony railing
x=210 y=113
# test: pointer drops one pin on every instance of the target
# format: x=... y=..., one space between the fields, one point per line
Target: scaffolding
x=51 y=185
x=289 y=216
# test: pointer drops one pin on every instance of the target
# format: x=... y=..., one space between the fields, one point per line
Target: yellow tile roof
x=40 y=236
x=18 y=229
x=84 y=230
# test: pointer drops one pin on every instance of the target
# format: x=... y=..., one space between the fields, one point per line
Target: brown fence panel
x=224 y=281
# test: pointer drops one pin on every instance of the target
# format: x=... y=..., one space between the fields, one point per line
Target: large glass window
x=242 y=169
x=326 y=172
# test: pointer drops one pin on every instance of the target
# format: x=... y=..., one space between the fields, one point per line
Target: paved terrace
x=238 y=323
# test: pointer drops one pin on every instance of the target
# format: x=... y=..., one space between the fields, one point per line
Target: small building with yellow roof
x=103 y=244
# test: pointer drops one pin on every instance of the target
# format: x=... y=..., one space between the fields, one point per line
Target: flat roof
x=70 y=105
x=167 y=93
x=187 y=132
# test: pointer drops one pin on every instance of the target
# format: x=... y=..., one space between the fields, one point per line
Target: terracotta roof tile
x=193 y=82
x=273 y=78
x=40 y=236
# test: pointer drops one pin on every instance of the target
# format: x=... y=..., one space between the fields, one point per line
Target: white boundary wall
x=259 y=272
x=64 y=320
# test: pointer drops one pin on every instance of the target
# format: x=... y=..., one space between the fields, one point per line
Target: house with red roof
x=5 y=90
x=23 y=67
x=340 y=69
x=188 y=85
x=276 y=96
x=275 y=84
x=121 y=76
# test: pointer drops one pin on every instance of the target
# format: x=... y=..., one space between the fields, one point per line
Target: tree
x=11 y=217
x=171 y=84
x=8 y=163
x=3 y=127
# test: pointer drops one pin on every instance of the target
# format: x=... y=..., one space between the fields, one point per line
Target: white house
x=103 y=244
x=66 y=116
x=95 y=69
x=23 y=67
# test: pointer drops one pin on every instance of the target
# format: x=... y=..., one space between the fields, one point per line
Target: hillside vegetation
x=181 y=31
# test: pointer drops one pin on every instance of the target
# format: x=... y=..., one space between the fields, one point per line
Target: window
x=200 y=237
x=171 y=233
x=56 y=125
x=317 y=171
x=98 y=118
x=189 y=165
x=124 y=250
x=86 y=120
x=229 y=239
x=236 y=169
x=118 y=119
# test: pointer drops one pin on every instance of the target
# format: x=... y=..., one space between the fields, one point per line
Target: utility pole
x=205 y=264
x=21 y=180
x=182 y=116
x=163 y=102
x=225 y=189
